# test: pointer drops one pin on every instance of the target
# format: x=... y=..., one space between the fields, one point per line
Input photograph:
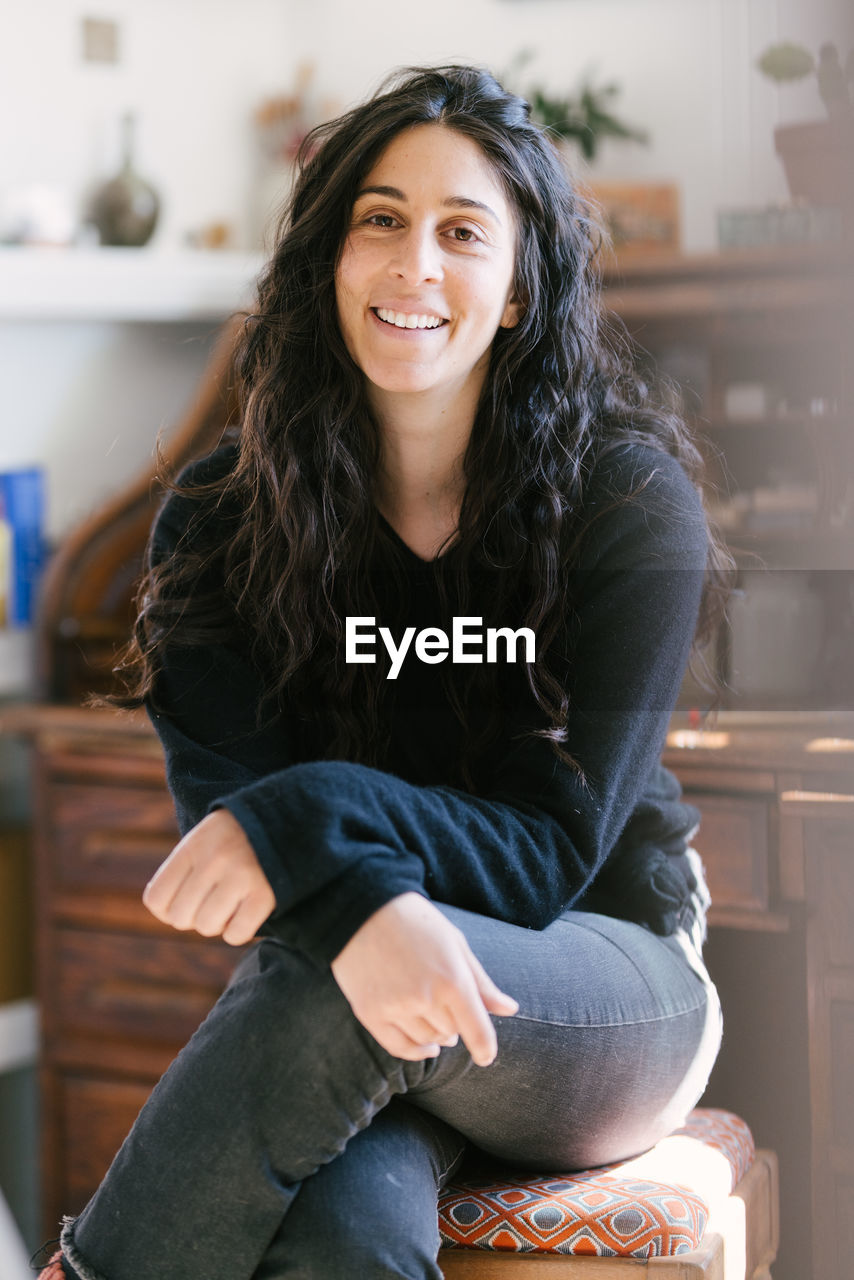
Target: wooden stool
x=703 y=1203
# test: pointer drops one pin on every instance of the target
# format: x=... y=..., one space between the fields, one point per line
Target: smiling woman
x=434 y=432
x=435 y=259
x=425 y=279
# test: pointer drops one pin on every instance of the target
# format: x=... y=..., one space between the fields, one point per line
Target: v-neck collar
x=405 y=547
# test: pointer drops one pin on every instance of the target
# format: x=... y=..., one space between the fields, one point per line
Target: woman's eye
x=381 y=220
x=465 y=235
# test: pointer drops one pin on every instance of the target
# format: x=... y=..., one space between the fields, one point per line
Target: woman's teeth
x=404 y=321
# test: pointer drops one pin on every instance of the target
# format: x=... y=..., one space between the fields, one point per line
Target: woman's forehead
x=437 y=156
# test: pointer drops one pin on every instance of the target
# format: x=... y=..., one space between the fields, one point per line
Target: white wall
x=86 y=400
x=686 y=69
x=194 y=70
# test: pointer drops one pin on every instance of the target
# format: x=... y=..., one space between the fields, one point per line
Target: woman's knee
x=277 y=997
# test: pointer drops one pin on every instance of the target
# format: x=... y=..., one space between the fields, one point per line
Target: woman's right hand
x=414 y=983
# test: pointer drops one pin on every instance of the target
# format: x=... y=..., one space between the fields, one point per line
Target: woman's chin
x=403 y=383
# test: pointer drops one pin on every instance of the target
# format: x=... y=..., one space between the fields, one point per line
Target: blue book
x=22 y=544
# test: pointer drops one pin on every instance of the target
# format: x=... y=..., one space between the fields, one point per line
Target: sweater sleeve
x=206 y=697
x=338 y=839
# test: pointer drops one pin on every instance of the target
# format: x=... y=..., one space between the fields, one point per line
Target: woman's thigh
x=616 y=1034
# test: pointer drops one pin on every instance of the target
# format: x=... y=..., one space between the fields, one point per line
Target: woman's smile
x=407 y=320
x=425 y=278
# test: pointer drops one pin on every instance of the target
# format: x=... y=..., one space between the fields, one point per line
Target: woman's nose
x=418 y=257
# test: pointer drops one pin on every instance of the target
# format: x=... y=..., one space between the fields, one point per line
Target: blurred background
x=210 y=85
x=144 y=151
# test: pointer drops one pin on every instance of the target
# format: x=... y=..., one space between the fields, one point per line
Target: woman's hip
x=616 y=1034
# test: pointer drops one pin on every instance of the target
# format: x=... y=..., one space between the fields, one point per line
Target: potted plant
x=817 y=155
x=583 y=118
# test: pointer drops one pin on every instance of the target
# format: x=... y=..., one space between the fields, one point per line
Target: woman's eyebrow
x=452 y=202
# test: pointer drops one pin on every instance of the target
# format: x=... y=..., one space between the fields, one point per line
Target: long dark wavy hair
x=561 y=391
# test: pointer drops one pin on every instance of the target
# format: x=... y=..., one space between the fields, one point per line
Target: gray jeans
x=284 y=1142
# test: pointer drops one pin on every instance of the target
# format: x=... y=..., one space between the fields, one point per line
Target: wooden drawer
x=733 y=841
x=108 y=837
x=93 y=1117
x=136 y=986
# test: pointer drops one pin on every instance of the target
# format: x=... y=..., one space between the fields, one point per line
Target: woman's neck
x=421 y=482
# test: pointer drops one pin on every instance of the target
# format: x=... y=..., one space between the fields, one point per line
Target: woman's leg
x=615 y=1037
x=371 y=1212
x=613 y=1042
x=275 y=1082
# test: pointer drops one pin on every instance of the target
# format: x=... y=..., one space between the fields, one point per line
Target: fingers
x=495 y=1000
x=246 y=921
x=160 y=891
x=477 y=997
x=212 y=912
x=438 y=1030
x=412 y=981
x=474 y=1025
x=212 y=883
x=400 y=1045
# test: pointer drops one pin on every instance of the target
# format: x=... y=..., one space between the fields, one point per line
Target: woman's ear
x=513 y=312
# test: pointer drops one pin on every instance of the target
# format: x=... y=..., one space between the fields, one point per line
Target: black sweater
x=338 y=839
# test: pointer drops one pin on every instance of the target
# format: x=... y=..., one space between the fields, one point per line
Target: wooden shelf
x=701 y=290
x=124 y=284
x=781 y=422
x=792 y=549
x=779 y=319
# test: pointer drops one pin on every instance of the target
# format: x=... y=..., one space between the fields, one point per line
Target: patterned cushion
x=655 y=1205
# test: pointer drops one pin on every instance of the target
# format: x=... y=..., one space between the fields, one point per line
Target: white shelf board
x=124 y=284
x=16 y=660
x=19 y=1034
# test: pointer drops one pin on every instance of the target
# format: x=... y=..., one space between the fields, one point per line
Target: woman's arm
x=338 y=840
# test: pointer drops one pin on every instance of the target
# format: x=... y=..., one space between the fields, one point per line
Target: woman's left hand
x=212 y=882
x=414 y=983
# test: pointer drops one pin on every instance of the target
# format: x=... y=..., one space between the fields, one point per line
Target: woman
x=411 y=645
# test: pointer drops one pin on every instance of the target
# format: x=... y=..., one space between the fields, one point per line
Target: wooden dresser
x=120 y=993
x=776 y=793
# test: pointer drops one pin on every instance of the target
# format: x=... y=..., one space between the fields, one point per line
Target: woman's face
x=425 y=277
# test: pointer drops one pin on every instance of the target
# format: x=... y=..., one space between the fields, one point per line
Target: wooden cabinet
x=828 y=830
x=759 y=346
x=734 y=841
x=776 y=794
x=119 y=993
